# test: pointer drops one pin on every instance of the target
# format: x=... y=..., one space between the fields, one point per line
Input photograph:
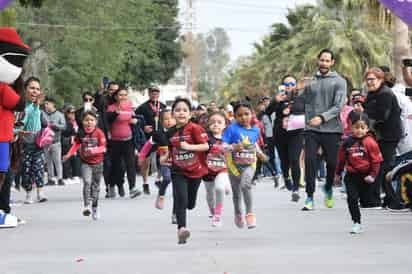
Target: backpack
x=44 y=137
x=139 y=137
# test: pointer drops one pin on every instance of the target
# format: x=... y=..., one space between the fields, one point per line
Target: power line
x=236 y=4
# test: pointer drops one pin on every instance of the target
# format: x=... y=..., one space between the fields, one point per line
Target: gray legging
x=53 y=155
x=242 y=184
x=215 y=192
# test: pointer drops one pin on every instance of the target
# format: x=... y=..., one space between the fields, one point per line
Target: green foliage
x=341 y=25
x=212 y=50
x=132 y=41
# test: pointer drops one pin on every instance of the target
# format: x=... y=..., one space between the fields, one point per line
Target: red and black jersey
x=216 y=160
x=359 y=156
x=189 y=163
x=92 y=140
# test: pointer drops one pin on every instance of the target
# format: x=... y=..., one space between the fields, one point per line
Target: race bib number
x=245 y=157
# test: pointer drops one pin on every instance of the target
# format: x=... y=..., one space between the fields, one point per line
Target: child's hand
x=238 y=147
x=338 y=180
x=263 y=157
x=185 y=146
x=65 y=158
x=369 y=179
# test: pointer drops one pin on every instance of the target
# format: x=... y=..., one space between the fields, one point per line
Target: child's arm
x=145 y=150
x=194 y=147
x=101 y=148
x=72 y=151
x=341 y=164
x=164 y=157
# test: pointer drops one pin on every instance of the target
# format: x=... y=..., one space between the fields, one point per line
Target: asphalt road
x=134 y=237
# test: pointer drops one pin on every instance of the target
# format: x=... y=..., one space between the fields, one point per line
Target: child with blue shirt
x=242 y=138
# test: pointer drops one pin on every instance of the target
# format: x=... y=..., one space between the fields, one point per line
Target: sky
x=246 y=21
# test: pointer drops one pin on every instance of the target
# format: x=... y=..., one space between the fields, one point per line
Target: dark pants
x=33 y=167
x=184 y=196
x=289 y=147
x=71 y=168
x=356 y=189
x=123 y=151
x=388 y=150
x=329 y=142
x=5 y=193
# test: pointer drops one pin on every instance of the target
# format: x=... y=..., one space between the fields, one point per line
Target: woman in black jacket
x=382 y=107
x=289 y=108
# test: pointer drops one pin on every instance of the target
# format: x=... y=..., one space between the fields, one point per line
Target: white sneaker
x=95 y=213
x=29 y=199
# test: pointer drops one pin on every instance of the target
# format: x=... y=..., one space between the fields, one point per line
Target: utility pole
x=191 y=63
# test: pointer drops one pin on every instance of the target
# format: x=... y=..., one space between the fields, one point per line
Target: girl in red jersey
x=361 y=157
x=92 y=144
x=187 y=144
x=218 y=178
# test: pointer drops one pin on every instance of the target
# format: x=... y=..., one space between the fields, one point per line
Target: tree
x=134 y=41
x=292 y=48
x=212 y=51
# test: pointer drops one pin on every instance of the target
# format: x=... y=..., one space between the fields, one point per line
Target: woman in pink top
x=120 y=116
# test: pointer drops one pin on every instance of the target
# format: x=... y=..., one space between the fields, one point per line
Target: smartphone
x=407 y=62
x=408 y=92
x=105 y=81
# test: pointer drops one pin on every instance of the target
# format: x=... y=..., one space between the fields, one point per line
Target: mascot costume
x=13 y=53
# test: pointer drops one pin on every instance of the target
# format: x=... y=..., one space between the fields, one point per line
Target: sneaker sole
x=135 y=194
x=307 y=209
x=295 y=197
x=183 y=237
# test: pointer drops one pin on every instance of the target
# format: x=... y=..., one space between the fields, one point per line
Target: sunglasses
x=371 y=79
x=88 y=100
x=291 y=84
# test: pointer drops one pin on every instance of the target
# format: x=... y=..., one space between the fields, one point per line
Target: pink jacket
x=344 y=115
x=120 y=129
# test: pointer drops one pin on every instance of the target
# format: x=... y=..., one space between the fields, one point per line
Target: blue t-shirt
x=238 y=161
x=235 y=133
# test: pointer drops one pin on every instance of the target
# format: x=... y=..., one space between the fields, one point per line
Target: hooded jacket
x=325 y=97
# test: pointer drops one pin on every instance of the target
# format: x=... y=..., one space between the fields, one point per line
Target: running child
x=167 y=121
x=242 y=138
x=218 y=178
x=361 y=157
x=187 y=144
x=92 y=144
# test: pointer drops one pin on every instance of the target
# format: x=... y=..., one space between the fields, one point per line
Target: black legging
x=329 y=142
x=289 y=147
x=5 y=193
x=122 y=150
x=184 y=196
x=388 y=150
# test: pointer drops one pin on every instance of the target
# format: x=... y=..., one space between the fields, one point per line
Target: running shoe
x=121 y=191
x=251 y=220
x=182 y=235
x=29 y=199
x=217 y=221
x=276 y=179
x=95 y=214
x=86 y=211
x=239 y=221
x=160 y=202
x=308 y=204
x=134 y=193
x=329 y=201
x=295 y=196
x=356 y=229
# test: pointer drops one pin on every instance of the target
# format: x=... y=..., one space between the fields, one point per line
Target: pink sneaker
x=239 y=221
x=251 y=220
x=217 y=221
x=160 y=202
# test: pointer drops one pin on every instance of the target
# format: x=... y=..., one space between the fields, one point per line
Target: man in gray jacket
x=57 y=122
x=324 y=99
